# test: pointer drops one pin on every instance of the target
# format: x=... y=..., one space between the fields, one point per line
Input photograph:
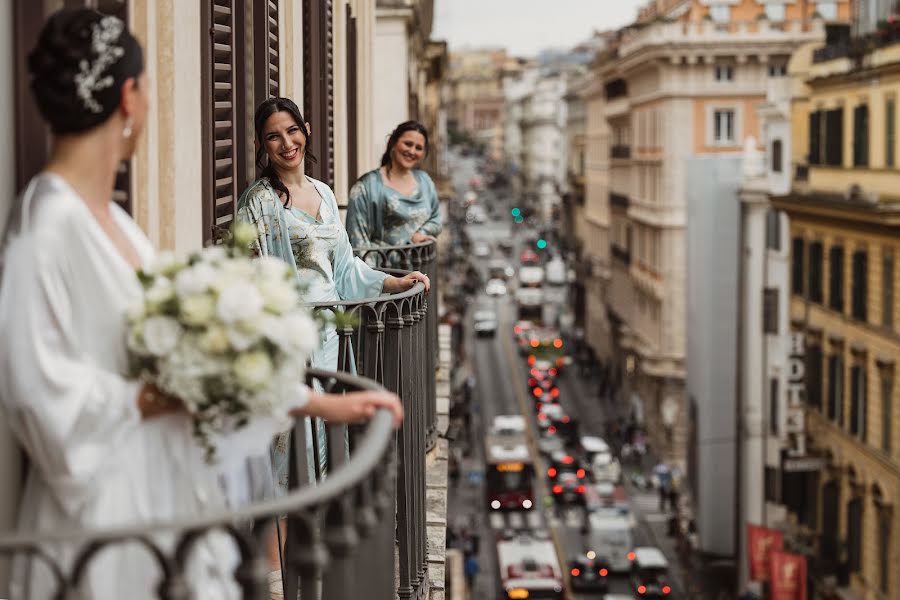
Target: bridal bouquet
x=223 y=332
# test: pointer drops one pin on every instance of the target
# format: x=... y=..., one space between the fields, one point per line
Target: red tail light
x=538 y=392
x=552 y=371
x=566 y=419
x=557 y=343
x=557 y=489
x=531 y=360
x=517 y=329
x=567 y=460
x=551 y=472
x=554 y=392
x=580 y=489
x=631 y=556
x=603 y=572
x=538 y=405
x=551 y=429
x=542 y=416
x=580 y=473
x=642 y=589
x=576 y=572
x=666 y=589
x=532 y=382
x=536 y=374
x=535 y=343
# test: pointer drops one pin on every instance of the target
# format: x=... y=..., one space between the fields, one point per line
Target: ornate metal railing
x=387 y=339
x=416 y=257
x=340 y=531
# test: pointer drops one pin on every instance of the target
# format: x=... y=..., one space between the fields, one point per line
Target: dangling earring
x=126 y=131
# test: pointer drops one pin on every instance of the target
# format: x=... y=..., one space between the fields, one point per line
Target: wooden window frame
x=318 y=86
x=223 y=172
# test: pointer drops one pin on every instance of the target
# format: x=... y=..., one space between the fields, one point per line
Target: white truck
x=610 y=537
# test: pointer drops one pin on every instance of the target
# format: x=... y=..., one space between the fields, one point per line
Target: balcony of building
x=375 y=527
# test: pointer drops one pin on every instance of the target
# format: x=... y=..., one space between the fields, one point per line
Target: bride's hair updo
x=78 y=66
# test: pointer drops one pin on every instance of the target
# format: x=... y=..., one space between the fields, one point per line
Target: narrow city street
x=500 y=373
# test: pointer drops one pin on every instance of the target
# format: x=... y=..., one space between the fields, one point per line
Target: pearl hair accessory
x=104 y=35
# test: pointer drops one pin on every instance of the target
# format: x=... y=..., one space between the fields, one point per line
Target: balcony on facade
x=840 y=44
x=724 y=35
x=618 y=200
x=360 y=532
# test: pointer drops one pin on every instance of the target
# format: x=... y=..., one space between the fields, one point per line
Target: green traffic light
x=541 y=244
x=516 y=212
x=519 y=220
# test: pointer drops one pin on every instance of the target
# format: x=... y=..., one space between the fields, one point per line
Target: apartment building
x=682 y=82
x=844 y=210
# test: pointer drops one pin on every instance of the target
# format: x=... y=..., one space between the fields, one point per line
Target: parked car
x=650 y=573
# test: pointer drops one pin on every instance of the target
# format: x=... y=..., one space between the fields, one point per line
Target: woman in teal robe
x=313 y=242
x=396 y=203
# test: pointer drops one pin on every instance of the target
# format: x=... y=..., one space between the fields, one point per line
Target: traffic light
x=519 y=220
x=541 y=244
x=516 y=212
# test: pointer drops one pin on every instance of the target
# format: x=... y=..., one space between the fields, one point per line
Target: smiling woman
x=396 y=203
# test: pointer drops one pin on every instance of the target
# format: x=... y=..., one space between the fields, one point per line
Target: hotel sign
x=795 y=415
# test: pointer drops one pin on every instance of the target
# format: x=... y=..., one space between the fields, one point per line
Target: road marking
x=524 y=407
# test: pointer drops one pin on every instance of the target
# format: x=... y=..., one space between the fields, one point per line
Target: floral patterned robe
x=381 y=216
x=320 y=254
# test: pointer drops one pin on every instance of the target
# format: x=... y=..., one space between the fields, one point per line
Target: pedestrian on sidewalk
x=471 y=569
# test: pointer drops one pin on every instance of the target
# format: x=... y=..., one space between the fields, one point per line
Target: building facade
x=844 y=213
x=683 y=82
x=476 y=104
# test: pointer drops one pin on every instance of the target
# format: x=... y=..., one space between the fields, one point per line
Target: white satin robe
x=93 y=462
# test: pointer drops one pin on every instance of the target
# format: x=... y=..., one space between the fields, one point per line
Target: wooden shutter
x=816 y=256
x=770 y=311
x=834 y=137
x=836 y=278
x=860 y=285
x=265 y=49
x=815 y=149
x=318 y=85
x=352 y=100
x=861 y=136
x=223 y=104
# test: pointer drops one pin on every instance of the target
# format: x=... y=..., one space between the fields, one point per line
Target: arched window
x=777 y=153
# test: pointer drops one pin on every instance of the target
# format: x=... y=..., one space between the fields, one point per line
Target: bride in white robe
x=103 y=450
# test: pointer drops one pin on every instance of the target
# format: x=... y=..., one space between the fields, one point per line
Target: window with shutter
x=887 y=287
x=224 y=110
x=797 y=255
x=860 y=285
x=265 y=50
x=814 y=377
x=815 y=271
x=861 y=136
x=815 y=151
x=777 y=152
x=834 y=137
x=836 y=388
x=890 y=136
x=858 y=400
x=318 y=85
x=770 y=310
x=836 y=278
x=854 y=535
x=352 y=100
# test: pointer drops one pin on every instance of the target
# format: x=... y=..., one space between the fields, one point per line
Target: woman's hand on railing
x=354 y=407
x=418 y=237
x=394 y=285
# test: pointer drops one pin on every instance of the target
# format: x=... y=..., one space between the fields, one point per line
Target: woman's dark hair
x=266 y=109
x=397 y=134
x=78 y=66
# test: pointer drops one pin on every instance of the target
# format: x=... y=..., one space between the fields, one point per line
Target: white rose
x=279 y=296
x=135 y=340
x=215 y=340
x=243 y=334
x=253 y=369
x=214 y=254
x=161 y=334
x=272 y=268
x=194 y=280
x=160 y=292
x=301 y=331
x=165 y=263
x=240 y=301
x=198 y=310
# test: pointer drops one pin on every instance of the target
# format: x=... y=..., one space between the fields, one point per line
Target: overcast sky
x=524 y=27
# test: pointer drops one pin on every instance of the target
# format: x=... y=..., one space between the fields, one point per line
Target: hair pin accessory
x=89 y=80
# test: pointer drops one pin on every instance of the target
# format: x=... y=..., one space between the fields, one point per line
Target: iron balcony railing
x=338 y=530
x=376 y=492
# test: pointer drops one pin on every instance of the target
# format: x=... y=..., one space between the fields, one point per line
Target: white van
x=610 y=537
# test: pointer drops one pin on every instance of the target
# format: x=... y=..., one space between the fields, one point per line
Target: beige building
x=844 y=210
x=208 y=64
x=476 y=101
x=682 y=82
